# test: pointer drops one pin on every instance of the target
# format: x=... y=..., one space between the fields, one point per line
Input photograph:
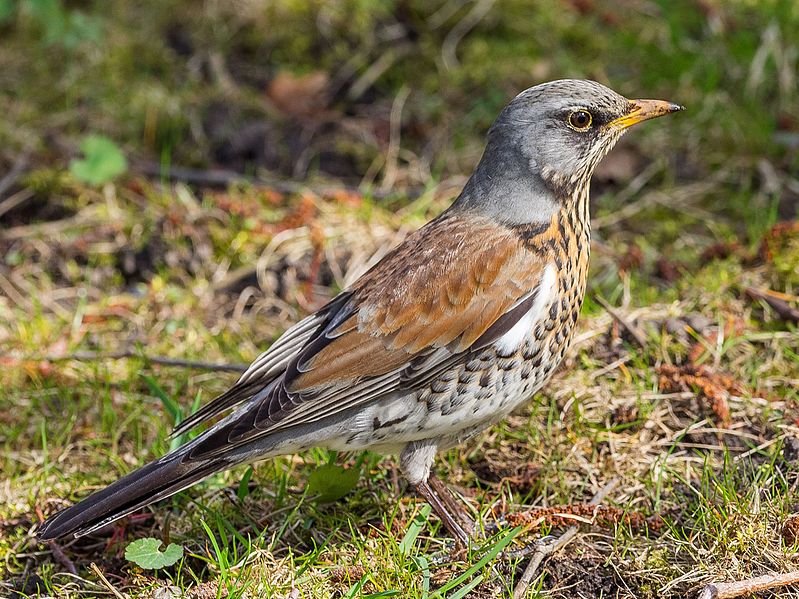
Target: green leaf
x=331 y=482
x=7 y=11
x=489 y=555
x=146 y=553
x=244 y=484
x=414 y=528
x=170 y=405
x=102 y=161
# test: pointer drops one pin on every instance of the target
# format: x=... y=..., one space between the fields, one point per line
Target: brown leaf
x=600 y=515
x=347 y=574
x=776 y=236
x=712 y=387
x=304 y=214
x=667 y=270
x=300 y=96
x=719 y=251
x=790 y=529
x=632 y=259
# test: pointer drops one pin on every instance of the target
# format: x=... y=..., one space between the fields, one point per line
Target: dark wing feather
x=266 y=367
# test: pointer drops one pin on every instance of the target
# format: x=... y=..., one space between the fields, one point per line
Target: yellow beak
x=643 y=110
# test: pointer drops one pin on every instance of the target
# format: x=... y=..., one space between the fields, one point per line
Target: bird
x=454 y=328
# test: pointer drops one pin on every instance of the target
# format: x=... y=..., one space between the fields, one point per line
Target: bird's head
x=547 y=142
x=564 y=128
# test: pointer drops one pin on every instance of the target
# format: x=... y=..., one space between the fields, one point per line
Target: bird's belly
x=463 y=400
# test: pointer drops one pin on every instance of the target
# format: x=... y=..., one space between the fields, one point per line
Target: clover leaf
x=102 y=161
x=146 y=553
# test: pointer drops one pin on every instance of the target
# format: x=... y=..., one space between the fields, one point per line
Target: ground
x=269 y=165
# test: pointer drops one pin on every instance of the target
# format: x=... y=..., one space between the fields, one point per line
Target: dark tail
x=157 y=480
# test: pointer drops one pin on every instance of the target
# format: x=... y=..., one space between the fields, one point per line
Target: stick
x=727 y=590
x=15 y=200
x=20 y=164
x=377 y=68
x=627 y=325
x=123 y=355
x=459 y=31
x=545 y=549
x=105 y=581
x=55 y=549
x=225 y=178
x=779 y=305
x=62 y=558
x=390 y=173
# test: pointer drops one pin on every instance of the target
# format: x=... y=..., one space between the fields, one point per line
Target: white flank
x=513 y=339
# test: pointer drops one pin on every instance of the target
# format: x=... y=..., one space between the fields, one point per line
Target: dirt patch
x=584 y=577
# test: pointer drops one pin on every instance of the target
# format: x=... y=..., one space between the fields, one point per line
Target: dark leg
x=452 y=525
x=452 y=503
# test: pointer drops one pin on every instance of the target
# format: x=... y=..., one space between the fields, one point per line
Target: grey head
x=544 y=147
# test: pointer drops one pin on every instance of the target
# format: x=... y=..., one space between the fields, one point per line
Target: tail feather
x=150 y=483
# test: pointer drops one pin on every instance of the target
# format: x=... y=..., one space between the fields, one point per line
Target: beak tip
x=676 y=107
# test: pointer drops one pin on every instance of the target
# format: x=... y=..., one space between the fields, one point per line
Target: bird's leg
x=452 y=503
x=426 y=491
x=415 y=461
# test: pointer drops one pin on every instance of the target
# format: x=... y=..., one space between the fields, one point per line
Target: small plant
x=58 y=24
x=146 y=553
x=331 y=482
x=102 y=161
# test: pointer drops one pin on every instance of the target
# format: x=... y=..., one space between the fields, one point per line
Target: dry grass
x=213 y=285
x=688 y=397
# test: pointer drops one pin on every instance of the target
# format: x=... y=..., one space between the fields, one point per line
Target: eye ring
x=580 y=119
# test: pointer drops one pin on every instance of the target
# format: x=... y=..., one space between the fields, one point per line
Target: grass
x=685 y=218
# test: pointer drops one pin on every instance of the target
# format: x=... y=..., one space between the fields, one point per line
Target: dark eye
x=580 y=120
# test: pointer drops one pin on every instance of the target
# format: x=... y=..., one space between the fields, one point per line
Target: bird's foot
x=446 y=506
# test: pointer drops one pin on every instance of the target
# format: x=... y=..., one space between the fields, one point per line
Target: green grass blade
x=493 y=552
x=414 y=528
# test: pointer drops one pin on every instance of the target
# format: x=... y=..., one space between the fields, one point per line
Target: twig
x=193 y=176
x=544 y=549
x=123 y=355
x=390 y=174
x=56 y=550
x=780 y=306
x=10 y=291
x=51 y=228
x=225 y=178
x=62 y=558
x=727 y=590
x=105 y=581
x=626 y=324
x=15 y=200
x=376 y=69
x=459 y=31
x=20 y=164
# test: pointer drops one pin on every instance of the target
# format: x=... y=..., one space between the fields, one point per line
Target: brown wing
x=451 y=284
x=443 y=287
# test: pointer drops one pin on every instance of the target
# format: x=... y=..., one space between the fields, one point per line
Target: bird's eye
x=580 y=120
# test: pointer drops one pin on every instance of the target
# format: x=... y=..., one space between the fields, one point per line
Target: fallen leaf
x=713 y=387
x=299 y=96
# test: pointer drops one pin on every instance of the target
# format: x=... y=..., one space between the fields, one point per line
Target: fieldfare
x=449 y=332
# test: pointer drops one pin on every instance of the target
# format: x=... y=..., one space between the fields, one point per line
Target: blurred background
x=181 y=180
